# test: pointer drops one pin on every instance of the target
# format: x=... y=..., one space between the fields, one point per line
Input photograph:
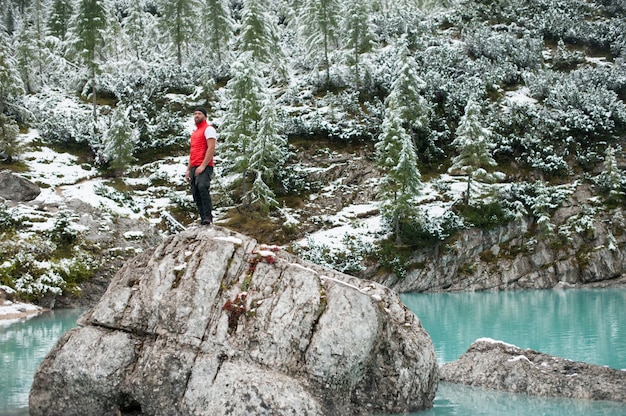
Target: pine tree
x=26 y=54
x=134 y=28
x=268 y=151
x=219 y=27
x=259 y=35
x=405 y=89
x=401 y=183
x=120 y=142
x=11 y=88
x=59 y=19
x=90 y=23
x=261 y=197
x=474 y=146
x=178 y=20
x=30 y=47
x=358 y=32
x=245 y=94
x=319 y=26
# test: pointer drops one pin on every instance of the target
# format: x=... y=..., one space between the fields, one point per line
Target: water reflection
x=581 y=325
x=461 y=400
x=23 y=345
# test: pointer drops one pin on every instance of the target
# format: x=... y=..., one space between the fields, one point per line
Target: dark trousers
x=200 y=186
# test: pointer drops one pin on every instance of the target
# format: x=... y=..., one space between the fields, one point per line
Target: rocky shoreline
x=11 y=310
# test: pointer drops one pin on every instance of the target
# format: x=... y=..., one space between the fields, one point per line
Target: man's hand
x=199 y=170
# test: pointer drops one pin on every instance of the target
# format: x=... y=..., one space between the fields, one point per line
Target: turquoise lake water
x=581 y=325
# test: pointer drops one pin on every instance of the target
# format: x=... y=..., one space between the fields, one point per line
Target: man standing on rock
x=200 y=167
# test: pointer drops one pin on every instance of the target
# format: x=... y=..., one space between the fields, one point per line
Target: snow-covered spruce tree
x=245 y=95
x=134 y=25
x=179 y=18
x=401 y=183
x=119 y=142
x=218 y=28
x=59 y=18
x=474 y=146
x=319 y=26
x=406 y=87
x=414 y=109
x=259 y=37
x=30 y=47
x=261 y=197
x=269 y=151
x=89 y=24
x=358 y=33
x=11 y=89
x=612 y=180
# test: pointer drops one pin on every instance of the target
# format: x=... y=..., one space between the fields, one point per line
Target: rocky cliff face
x=500 y=366
x=518 y=256
x=211 y=323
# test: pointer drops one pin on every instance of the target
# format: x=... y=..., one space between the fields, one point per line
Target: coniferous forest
x=526 y=93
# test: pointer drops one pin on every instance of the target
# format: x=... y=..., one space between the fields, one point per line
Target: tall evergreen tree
x=405 y=89
x=245 y=94
x=26 y=54
x=30 y=47
x=259 y=35
x=268 y=151
x=90 y=23
x=119 y=142
x=358 y=33
x=9 y=20
x=219 y=28
x=414 y=109
x=474 y=146
x=60 y=16
x=319 y=25
x=179 y=20
x=401 y=183
x=134 y=28
x=11 y=89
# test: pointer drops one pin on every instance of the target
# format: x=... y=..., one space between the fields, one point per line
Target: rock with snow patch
x=500 y=366
x=210 y=322
x=17 y=189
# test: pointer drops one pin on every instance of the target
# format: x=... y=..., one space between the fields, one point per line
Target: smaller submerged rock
x=501 y=366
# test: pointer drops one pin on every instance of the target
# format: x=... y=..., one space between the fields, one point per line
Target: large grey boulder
x=15 y=188
x=211 y=323
x=501 y=366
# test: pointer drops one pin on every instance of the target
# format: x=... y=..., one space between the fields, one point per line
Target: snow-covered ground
x=62 y=178
x=12 y=312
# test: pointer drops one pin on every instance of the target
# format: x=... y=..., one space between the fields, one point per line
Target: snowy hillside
x=348 y=132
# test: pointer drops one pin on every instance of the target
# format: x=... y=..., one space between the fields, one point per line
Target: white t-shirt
x=210 y=132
